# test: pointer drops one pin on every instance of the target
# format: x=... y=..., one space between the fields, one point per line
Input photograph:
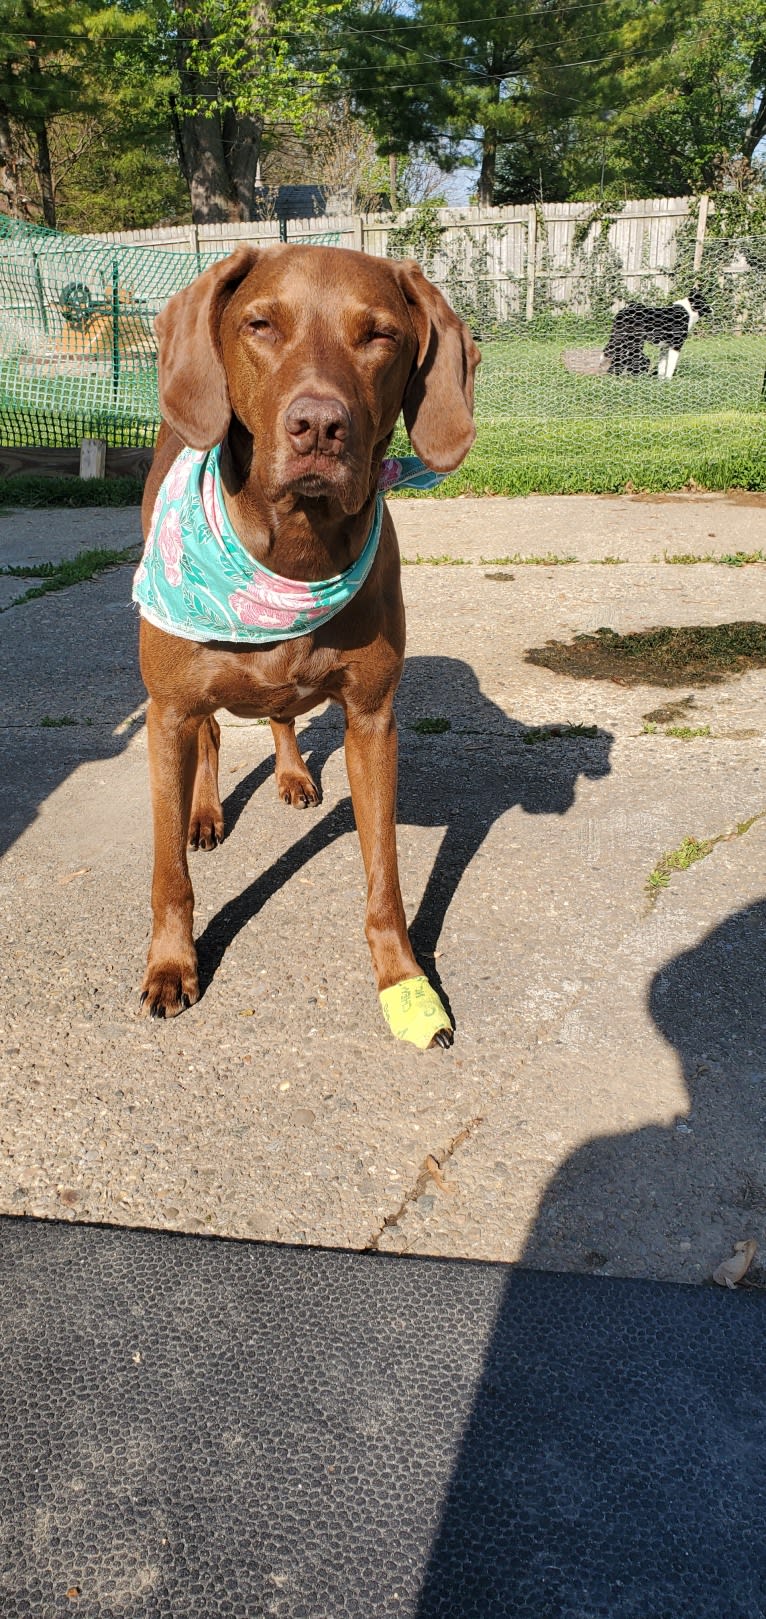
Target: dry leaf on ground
x=434 y=1171
x=732 y=1270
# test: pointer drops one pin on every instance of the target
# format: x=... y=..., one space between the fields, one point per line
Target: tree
x=57 y=62
x=46 y=74
x=666 y=122
x=238 y=66
x=698 y=106
x=458 y=71
x=101 y=95
x=562 y=98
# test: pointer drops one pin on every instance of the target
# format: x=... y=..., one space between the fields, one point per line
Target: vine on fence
x=732 y=271
x=467 y=277
x=418 y=237
x=470 y=286
x=599 y=273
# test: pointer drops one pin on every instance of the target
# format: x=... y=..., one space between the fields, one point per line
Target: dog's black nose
x=316 y=425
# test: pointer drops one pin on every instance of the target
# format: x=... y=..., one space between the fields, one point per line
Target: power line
x=503 y=16
x=476 y=77
x=473 y=76
x=408 y=27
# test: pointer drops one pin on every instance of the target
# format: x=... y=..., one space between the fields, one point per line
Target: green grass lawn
x=540 y=429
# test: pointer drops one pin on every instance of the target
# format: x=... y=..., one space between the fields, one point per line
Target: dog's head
x=699 y=303
x=315 y=351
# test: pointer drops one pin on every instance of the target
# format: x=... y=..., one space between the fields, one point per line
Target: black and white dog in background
x=638 y=324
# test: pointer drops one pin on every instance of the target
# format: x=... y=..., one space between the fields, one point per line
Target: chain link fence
x=78 y=355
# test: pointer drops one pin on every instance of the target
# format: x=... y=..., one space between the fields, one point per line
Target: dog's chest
x=280 y=682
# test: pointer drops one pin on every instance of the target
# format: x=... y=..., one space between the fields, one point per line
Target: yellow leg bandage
x=413 y=1011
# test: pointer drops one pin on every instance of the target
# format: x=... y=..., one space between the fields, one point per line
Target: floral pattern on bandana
x=195 y=578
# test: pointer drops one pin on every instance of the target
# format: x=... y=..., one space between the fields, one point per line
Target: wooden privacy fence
x=527 y=259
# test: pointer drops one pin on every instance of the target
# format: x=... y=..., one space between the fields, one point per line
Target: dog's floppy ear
x=438 y=402
x=194 y=398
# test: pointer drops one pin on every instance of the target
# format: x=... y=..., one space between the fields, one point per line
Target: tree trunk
x=213 y=200
x=242 y=150
x=219 y=151
x=486 y=186
x=219 y=161
x=9 y=165
x=40 y=132
x=756 y=129
x=392 y=182
x=46 y=175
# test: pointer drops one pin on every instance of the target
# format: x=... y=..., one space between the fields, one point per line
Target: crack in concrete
x=425 y=1177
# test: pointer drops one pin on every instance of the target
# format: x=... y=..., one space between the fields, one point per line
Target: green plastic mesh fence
x=556 y=410
x=77 y=349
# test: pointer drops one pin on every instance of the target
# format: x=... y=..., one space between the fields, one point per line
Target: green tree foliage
x=47 y=50
x=119 y=114
x=239 y=65
x=665 y=122
x=500 y=76
x=85 y=140
x=562 y=99
x=703 y=103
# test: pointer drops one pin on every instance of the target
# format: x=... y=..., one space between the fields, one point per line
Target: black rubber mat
x=200 y=1428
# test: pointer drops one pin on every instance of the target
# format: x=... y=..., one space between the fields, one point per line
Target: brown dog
x=298 y=360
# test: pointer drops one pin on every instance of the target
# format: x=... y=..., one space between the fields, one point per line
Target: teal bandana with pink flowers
x=196 y=579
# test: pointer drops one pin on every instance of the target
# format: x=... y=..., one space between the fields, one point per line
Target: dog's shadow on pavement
x=612 y=1461
x=462 y=780
x=696 y=1186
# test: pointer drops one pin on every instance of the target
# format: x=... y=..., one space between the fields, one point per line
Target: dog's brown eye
x=261 y=328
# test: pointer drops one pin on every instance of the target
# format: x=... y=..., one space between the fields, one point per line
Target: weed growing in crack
x=552 y=733
x=731 y=559
x=680 y=859
x=690 y=851
x=435 y=562
x=72 y=571
x=431 y=725
x=550 y=560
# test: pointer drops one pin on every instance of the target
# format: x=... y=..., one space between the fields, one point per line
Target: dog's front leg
x=171 y=982
x=371 y=761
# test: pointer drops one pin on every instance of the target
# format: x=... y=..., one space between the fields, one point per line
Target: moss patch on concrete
x=688 y=655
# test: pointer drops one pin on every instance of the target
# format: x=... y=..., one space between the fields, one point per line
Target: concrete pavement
x=603 y=1106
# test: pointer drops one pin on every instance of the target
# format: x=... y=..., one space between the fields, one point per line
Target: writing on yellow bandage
x=413 y=1011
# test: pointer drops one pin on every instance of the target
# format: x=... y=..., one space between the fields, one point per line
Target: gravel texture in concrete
x=603 y=1106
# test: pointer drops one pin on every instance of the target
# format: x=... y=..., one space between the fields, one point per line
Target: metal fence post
x=531 y=259
x=699 y=244
x=115 y=327
x=40 y=290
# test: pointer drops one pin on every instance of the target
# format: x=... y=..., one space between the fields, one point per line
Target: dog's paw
x=169 y=988
x=298 y=789
x=205 y=829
